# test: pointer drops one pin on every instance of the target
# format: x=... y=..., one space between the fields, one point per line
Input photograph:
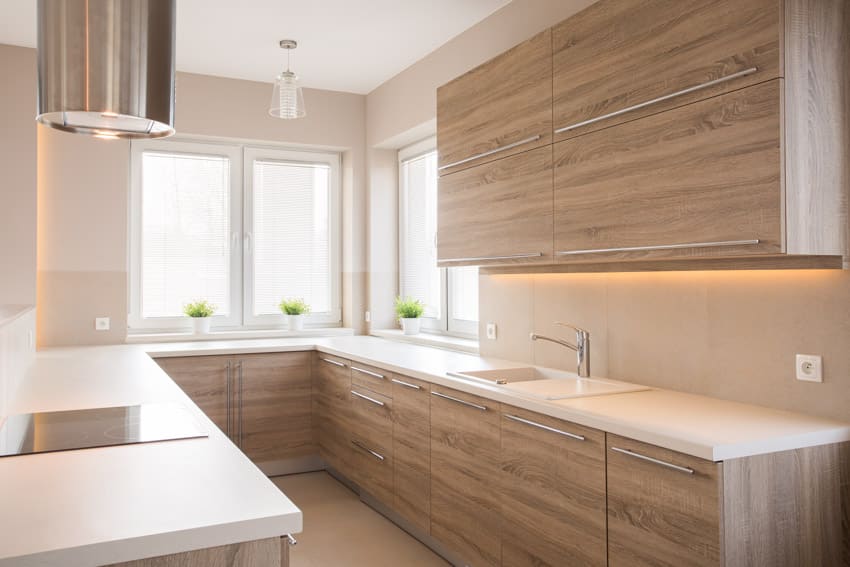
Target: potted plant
x=409 y=311
x=294 y=310
x=200 y=311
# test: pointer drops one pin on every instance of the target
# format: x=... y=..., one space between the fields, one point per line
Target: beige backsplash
x=726 y=334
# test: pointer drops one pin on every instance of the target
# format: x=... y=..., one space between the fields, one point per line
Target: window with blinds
x=450 y=295
x=242 y=227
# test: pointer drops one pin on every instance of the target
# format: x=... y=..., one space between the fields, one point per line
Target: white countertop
x=99 y=506
x=704 y=427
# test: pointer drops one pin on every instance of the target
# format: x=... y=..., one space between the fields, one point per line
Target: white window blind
x=185 y=245
x=292 y=252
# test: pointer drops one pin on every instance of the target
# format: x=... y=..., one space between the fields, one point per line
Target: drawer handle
x=482 y=258
x=489 y=152
x=368 y=399
x=289 y=539
x=458 y=400
x=652 y=460
x=406 y=384
x=545 y=427
x=363 y=447
x=369 y=373
x=682 y=92
x=334 y=362
x=660 y=247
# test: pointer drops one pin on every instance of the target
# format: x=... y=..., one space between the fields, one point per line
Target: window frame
x=444 y=324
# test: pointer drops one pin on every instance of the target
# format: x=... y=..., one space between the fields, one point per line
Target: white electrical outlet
x=810 y=368
x=368 y=317
x=491 y=331
x=101 y=324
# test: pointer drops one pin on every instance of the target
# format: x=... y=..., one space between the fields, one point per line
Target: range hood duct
x=106 y=67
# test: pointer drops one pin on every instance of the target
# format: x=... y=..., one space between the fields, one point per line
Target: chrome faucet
x=582 y=347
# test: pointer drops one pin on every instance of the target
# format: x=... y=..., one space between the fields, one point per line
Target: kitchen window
x=450 y=295
x=240 y=226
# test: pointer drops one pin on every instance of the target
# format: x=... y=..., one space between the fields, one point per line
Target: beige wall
x=83 y=189
x=17 y=175
x=729 y=334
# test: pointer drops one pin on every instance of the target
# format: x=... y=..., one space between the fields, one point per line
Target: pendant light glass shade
x=287 y=97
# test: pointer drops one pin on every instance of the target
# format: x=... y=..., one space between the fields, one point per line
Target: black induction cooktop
x=46 y=432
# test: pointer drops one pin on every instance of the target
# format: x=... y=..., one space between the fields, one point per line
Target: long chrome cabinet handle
x=334 y=362
x=363 y=447
x=229 y=400
x=458 y=400
x=289 y=539
x=685 y=470
x=239 y=368
x=660 y=247
x=638 y=106
x=406 y=384
x=545 y=427
x=482 y=258
x=490 y=152
x=368 y=399
x=369 y=373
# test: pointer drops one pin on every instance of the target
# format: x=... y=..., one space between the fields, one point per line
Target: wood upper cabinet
x=497 y=109
x=663 y=507
x=204 y=379
x=701 y=180
x=275 y=408
x=412 y=450
x=332 y=409
x=553 y=492
x=497 y=213
x=617 y=54
x=465 y=447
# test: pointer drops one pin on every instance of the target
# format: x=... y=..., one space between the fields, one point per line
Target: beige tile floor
x=341 y=531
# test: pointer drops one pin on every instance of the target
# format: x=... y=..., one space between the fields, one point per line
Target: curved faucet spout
x=563 y=343
x=581 y=347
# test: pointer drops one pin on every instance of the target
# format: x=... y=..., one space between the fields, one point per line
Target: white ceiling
x=344 y=45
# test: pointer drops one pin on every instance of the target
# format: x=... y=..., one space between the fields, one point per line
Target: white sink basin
x=548 y=383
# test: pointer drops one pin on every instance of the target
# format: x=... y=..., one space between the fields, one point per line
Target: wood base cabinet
x=258 y=553
x=332 y=409
x=372 y=442
x=412 y=450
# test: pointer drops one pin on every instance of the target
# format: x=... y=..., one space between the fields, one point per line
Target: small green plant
x=294 y=306
x=408 y=308
x=200 y=308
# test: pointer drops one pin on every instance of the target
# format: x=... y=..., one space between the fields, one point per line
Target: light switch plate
x=101 y=324
x=810 y=368
x=491 y=331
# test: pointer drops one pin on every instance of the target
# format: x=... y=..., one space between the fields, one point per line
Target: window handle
x=248 y=242
x=234 y=240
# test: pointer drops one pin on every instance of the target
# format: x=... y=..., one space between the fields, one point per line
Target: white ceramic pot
x=411 y=325
x=295 y=322
x=201 y=325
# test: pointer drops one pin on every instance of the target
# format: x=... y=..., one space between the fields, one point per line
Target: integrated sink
x=548 y=383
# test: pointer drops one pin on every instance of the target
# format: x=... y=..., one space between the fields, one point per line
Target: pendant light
x=106 y=67
x=287 y=97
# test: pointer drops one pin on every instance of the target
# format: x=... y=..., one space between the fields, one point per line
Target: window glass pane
x=185 y=244
x=463 y=289
x=420 y=277
x=291 y=235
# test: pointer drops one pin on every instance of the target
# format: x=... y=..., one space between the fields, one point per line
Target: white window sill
x=429 y=339
x=137 y=338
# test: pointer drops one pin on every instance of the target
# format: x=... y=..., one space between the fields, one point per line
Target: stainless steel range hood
x=106 y=67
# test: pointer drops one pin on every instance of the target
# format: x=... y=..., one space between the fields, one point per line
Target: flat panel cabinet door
x=664 y=512
x=701 y=180
x=204 y=379
x=275 y=406
x=332 y=407
x=465 y=475
x=497 y=213
x=412 y=450
x=618 y=54
x=499 y=108
x=553 y=492
x=372 y=442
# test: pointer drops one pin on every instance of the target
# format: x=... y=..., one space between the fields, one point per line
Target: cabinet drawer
x=412 y=450
x=663 y=506
x=701 y=180
x=497 y=109
x=372 y=468
x=617 y=55
x=371 y=378
x=371 y=417
x=499 y=212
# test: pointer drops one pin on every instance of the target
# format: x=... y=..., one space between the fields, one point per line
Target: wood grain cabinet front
x=332 y=409
x=412 y=450
x=497 y=109
x=208 y=381
x=553 y=492
x=371 y=439
x=465 y=447
x=619 y=60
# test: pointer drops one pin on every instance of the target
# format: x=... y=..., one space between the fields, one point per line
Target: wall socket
x=810 y=368
x=491 y=331
x=101 y=324
x=368 y=317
